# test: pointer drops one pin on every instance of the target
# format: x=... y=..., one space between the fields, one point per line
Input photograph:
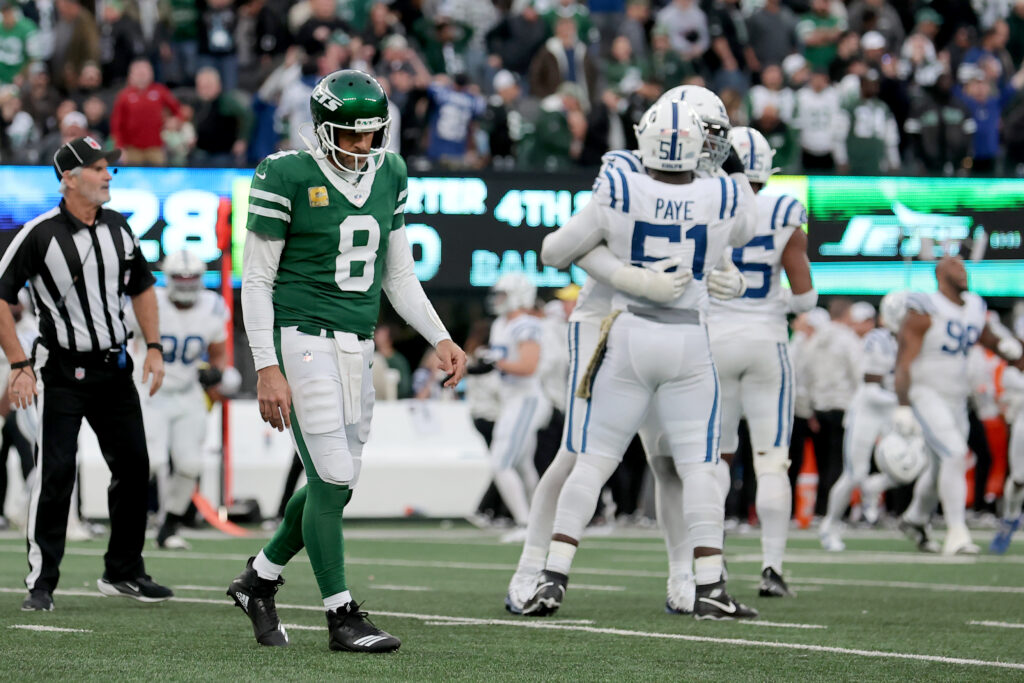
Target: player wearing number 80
x=326 y=236
x=749 y=341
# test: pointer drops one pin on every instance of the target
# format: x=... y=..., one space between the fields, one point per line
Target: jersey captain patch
x=318 y=196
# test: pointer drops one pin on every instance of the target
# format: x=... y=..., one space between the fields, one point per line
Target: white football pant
x=175 y=425
x=512 y=449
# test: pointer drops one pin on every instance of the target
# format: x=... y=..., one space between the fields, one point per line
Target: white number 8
x=353 y=269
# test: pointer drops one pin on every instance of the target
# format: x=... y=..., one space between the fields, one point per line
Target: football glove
x=653 y=282
x=726 y=283
x=209 y=376
x=733 y=163
x=904 y=422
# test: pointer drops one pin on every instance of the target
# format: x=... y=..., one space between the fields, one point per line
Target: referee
x=80 y=260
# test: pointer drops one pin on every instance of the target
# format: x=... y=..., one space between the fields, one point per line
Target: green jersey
x=336 y=237
x=15 y=48
x=872 y=133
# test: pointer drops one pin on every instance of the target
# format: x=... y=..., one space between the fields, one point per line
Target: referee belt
x=115 y=356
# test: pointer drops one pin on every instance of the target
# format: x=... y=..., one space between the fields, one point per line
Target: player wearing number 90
x=326 y=234
x=932 y=386
x=749 y=341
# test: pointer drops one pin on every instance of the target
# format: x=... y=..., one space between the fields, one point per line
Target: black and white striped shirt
x=79 y=275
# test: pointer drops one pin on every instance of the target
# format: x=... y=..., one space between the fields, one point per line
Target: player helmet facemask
x=350 y=100
x=670 y=137
x=712 y=113
x=512 y=292
x=754 y=151
x=183 y=274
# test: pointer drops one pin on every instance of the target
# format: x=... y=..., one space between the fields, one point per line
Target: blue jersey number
x=768 y=242
x=698 y=234
x=188 y=351
x=960 y=338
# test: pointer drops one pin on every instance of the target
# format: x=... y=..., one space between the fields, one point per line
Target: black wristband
x=155 y=345
x=27 y=363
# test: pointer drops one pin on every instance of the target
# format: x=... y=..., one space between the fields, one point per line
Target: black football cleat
x=141 y=588
x=773 y=585
x=547 y=596
x=351 y=631
x=38 y=600
x=255 y=597
x=918 y=533
x=714 y=603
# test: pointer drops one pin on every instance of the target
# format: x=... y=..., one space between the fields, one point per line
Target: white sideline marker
x=49 y=629
x=547 y=625
x=996 y=624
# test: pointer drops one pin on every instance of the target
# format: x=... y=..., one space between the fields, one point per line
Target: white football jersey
x=506 y=336
x=644 y=220
x=942 y=362
x=186 y=334
x=879 y=356
x=761 y=312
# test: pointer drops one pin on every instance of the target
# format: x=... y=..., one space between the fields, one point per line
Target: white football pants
x=175 y=424
x=512 y=449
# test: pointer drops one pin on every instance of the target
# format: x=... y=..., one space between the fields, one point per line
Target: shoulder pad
x=611 y=189
x=920 y=302
x=788 y=212
x=621 y=158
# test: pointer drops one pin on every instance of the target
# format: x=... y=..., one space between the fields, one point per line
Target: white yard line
x=868 y=583
x=369 y=587
x=582 y=628
x=996 y=624
x=48 y=629
x=780 y=624
x=592 y=587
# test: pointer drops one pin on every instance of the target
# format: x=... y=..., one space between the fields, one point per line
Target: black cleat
x=255 y=597
x=352 y=631
x=773 y=585
x=38 y=600
x=547 y=596
x=919 y=535
x=142 y=588
x=714 y=603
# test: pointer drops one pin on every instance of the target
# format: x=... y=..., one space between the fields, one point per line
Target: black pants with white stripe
x=105 y=395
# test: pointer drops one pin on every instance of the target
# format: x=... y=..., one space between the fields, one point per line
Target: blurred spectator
x=120 y=42
x=41 y=98
x=941 y=129
x=270 y=31
x=608 y=127
x=990 y=12
x=992 y=55
x=918 y=60
x=89 y=84
x=871 y=135
x=578 y=12
x=607 y=17
x=455 y=104
x=1015 y=42
x=563 y=59
x=43 y=14
x=666 y=68
x=18 y=132
x=222 y=122
x=179 y=137
x=503 y=120
x=986 y=101
x=77 y=41
x=17 y=34
x=292 y=118
x=217 y=47
x=816 y=115
x=876 y=15
x=622 y=72
x=426 y=381
x=516 y=38
x=779 y=135
x=770 y=93
x=382 y=25
x=445 y=43
x=480 y=17
x=796 y=70
x=819 y=31
x=772 y=30
x=847 y=53
x=138 y=116
x=97 y=114
x=384 y=344
x=1013 y=136
x=730 y=41
x=634 y=26
x=892 y=86
x=556 y=139
x=180 y=54
x=73 y=124
x=314 y=33
x=687 y=28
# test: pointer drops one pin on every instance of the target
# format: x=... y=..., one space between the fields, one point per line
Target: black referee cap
x=81 y=152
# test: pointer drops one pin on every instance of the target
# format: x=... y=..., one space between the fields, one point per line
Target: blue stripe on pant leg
x=574 y=353
x=713 y=431
x=929 y=436
x=782 y=396
x=791 y=388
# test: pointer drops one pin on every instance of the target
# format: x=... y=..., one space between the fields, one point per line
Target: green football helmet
x=350 y=100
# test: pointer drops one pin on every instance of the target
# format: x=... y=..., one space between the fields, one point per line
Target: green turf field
x=879 y=611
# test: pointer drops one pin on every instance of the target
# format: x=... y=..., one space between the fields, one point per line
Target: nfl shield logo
x=92 y=143
x=79 y=373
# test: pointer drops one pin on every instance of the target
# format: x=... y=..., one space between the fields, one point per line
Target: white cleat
x=520 y=588
x=517 y=535
x=77 y=531
x=958 y=542
x=831 y=542
x=174 y=542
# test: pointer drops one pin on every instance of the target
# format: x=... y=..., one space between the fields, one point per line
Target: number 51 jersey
x=761 y=312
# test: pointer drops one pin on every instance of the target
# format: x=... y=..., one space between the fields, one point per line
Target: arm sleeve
x=600 y=264
x=579 y=235
x=259 y=270
x=405 y=292
x=140 y=277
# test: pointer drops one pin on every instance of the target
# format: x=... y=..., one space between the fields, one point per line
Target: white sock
x=543 y=506
x=838 y=499
x=513 y=492
x=724 y=474
x=774 y=504
x=333 y=602
x=668 y=502
x=953 y=491
x=560 y=557
x=532 y=559
x=266 y=569
x=708 y=569
x=922 y=505
x=1013 y=499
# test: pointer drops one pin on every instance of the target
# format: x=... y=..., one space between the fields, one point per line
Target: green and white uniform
x=321 y=247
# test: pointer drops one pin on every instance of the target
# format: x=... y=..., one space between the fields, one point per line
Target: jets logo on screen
x=899 y=234
x=325 y=97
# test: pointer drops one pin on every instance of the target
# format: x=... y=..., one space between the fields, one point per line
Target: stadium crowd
x=863 y=87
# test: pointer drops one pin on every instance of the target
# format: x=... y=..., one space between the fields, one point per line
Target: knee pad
x=771 y=460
